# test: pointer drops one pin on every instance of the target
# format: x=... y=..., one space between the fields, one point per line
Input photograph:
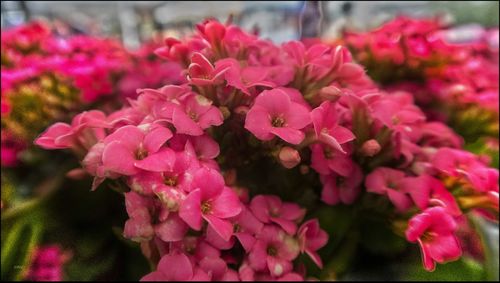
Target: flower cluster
x=47 y=264
x=45 y=77
x=182 y=153
x=453 y=82
x=147 y=69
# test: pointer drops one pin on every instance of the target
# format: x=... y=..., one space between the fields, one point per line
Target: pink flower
x=176 y=267
x=47 y=264
x=243 y=78
x=245 y=227
x=86 y=129
x=387 y=181
x=326 y=160
x=326 y=127
x=129 y=149
x=274 y=250
x=455 y=162
x=202 y=72
x=269 y=209
x=195 y=115
x=312 y=238
x=434 y=230
x=212 y=201
x=138 y=227
x=274 y=114
x=341 y=189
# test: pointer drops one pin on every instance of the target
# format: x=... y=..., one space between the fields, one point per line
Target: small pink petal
x=289 y=135
x=156 y=138
x=157 y=162
x=185 y=125
x=223 y=227
x=190 y=210
x=226 y=205
x=119 y=158
x=173 y=229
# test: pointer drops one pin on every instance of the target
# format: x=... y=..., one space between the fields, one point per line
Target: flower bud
x=370 y=148
x=330 y=93
x=289 y=157
x=242 y=110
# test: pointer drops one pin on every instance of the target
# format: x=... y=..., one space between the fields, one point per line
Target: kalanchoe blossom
x=274 y=114
x=311 y=239
x=270 y=209
x=326 y=160
x=130 y=149
x=176 y=267
x=387 y=181
x=243 y=78
x=341 y=189
x=47 y=264
x=326 y=127
x=85 y=130
x=434 y=230
x=245 y=227
x=273 y=251
x=202 y=72
x=212 y=201
x=197 y=114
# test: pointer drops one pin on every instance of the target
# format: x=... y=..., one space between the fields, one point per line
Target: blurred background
x=137 y=21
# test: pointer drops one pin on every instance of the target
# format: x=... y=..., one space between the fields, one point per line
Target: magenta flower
x=434 y=230
x=312 y=238
x=129 y=149
x=387 y=181
x=202 y=72
x=196 y=115
x=169 y=184
x=341 y=189
x=176 y=267
x=270 y=209
x=325 y=121
x=86 y=129
x=326 y=160
x=138 y=227
x=274 y=250
x=47 y=264
x=243 y=78
x=245 y=227
x=212 y=201
x=455 y=162
x=274 y=114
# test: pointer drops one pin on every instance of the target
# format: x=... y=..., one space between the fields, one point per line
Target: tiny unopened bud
x=370 y=148
x=230 y=177
x=330 y=93
x=242 y=110
x=77 y=174
x=304 y=169
x=289 y=157
x=242 y=193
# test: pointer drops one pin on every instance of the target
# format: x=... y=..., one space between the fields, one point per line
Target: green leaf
x=21 y=240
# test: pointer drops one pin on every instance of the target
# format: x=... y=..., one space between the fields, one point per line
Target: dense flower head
x=454 y=80
x=47 y=264
x=181 y=153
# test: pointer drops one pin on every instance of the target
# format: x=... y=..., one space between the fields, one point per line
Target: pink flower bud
x=370 y=148
x=289 y=157
x=330 y=93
